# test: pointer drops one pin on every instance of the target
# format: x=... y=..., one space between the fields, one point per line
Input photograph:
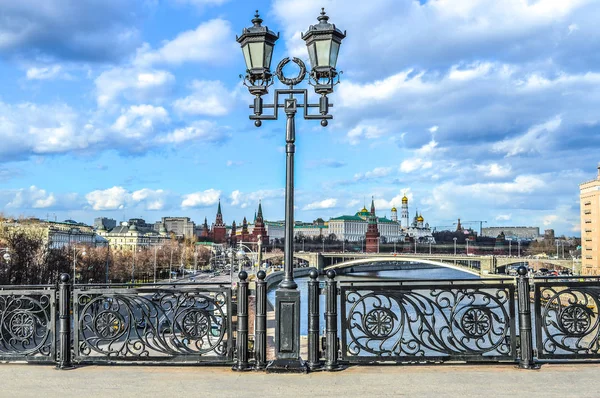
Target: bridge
x=482 y=265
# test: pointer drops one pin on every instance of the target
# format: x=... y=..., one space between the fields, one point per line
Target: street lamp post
x=519 y=247
x=509 y=246
x=171 y=264
x=83 y=253
x=323 y=43
x=467 y=240
x=454 y=239
x=557 y=248
x=6 y=256
x=155 y=249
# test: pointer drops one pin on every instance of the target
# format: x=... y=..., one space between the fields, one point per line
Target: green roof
x=310 y=226
x=347 y=218
x=384 y=220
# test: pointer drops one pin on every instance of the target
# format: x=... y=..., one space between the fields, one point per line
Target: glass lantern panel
x=335 y=48
x=246 y=52
x=312 y=54
x=268 y=55
x=323 y=50
x=257 y=53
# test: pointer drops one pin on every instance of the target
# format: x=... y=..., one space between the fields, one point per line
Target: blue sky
x=478 y=109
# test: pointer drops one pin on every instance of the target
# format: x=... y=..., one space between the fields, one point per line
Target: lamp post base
x=287 y=366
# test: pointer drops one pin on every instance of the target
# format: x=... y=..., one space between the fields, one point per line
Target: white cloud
x=549 y=219
x=139 y=84
x=140 y=121
x=323 y=204
x=205 y=198
x=503 y=217
x=208 y=98
x=108 y=199
x=153 y=199
x=494 y=169
x=536 y=139
x=46 y=73
x=211 y=42
x=364 y=132
x=433 y=129
x=377 y=172
x=244 y=200
x=33 y=198
x=413 y=164
x=202 y=131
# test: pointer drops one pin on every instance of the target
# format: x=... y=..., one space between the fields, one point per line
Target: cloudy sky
x=478 y=109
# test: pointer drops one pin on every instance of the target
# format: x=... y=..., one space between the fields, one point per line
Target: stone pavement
x=580 y=380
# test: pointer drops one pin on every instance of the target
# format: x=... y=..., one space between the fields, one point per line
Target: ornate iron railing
x=172 y=323
x=28 y=323
x=467 y=320
x=567 y=318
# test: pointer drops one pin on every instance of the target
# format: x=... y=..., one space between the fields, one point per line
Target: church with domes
x=355 y=228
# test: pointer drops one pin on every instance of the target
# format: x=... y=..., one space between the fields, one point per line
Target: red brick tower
x=372 y=236
x=219 y=231
x=233 y=237
x=259 y=228
x=205 y=232
x=245 y=235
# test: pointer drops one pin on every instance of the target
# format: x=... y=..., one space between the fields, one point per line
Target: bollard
x=260 y=322
x=242 y=324
x=331 y=337
x=64 y=316
x=313 y=321
x=526 y=337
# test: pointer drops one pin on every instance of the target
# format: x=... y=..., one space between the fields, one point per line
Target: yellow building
x=589 y=199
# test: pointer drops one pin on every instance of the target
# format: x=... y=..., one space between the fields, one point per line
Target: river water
x=408 y=274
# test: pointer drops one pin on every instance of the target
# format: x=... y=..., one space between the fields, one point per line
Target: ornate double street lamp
x=323 y=43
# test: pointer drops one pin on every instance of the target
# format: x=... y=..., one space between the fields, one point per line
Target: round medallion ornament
x=575 y=320
x=476 y=322
x=379 y=323
x=196 y=324
x=21 y=325
x=109 y=324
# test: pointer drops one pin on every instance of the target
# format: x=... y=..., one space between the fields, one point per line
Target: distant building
x=130 y=237
x=589 y=202
x=59 y=234
x=107 y=223
x=182 y=227
x=523 y=233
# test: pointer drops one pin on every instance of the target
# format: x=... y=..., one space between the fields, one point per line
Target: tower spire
x=372 y=206
x=219 y=208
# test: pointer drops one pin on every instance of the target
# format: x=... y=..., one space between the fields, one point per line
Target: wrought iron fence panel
x=28 y=323
x=175 y=323
x=437 y=321
x=567 y=321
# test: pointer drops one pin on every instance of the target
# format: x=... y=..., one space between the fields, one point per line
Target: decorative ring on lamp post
x=291 y=81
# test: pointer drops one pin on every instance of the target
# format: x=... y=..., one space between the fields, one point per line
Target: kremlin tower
x=404 y=214
x=259 y=227
x=372 y=236
x=219 y=230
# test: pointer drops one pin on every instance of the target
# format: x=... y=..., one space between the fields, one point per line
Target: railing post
x=242 y=324
x=260 y=322
x=526 y=337
x=313 y=321
x=331 y=337
x=64 y=314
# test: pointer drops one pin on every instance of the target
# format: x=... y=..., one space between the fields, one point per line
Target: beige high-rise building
x=589 y=200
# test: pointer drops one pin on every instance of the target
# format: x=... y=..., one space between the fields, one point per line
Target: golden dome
x=404 y=199
x=420 y=218
x=394 y=209
x=364 y=210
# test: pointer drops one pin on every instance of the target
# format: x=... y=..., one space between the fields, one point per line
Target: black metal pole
x=64 y=315
x=526 y=337
x=331 y=318
x=242 y=324
x=290 y=149
x=260 y=325
x=313 y=321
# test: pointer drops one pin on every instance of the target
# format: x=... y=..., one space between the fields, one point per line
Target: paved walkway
x=414 y=381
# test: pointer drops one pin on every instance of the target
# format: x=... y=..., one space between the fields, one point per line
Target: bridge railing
x=567 y=318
